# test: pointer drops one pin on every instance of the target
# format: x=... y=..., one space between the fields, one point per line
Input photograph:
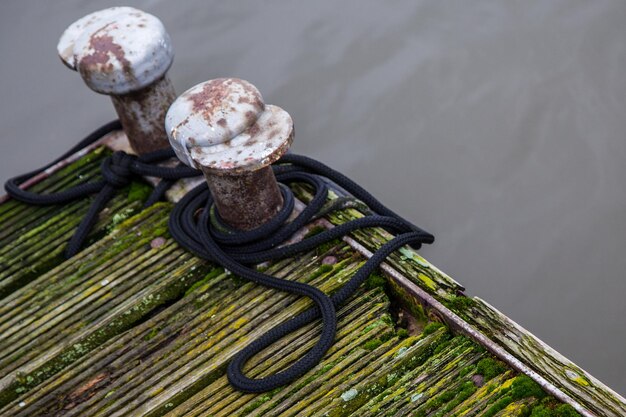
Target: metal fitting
x=125 y=53
x=224 y=128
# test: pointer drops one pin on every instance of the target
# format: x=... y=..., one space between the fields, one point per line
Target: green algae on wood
x=179 y=369
x=405 y=260
x=78 y=306
x=172 y=357
x=549 y=364
x=543 y=359
x=213 y=333
x=220 y=399
x=32 y=238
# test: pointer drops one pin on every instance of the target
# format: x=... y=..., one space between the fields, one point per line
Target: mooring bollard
x=224 y=128
x=125 y=53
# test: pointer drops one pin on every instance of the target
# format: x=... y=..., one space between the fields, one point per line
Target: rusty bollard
x=125 y=53
x=224 y=128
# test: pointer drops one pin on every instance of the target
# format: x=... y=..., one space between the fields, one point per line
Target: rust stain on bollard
x=224 y=128
x=125 y=53
x=142 y=114
x=248 y=199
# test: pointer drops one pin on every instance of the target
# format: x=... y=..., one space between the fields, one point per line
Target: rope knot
x=117 y=169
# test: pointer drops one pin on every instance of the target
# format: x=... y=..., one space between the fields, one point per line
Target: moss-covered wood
x=32 y=238
x=406 y=260
x=545 y=360
x=592 y=396
x=134 y=325
x=80 y=305
x=185 y=347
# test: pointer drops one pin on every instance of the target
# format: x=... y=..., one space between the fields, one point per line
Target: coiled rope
x=237 y=251
x=117 y=171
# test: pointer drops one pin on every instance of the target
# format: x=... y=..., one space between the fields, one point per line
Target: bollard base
x=247 y=200
x=142 y=113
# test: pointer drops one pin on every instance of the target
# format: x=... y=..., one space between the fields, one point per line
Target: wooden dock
x=136 y=326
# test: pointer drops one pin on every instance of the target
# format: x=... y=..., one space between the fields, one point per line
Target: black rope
x=117 y=170
x=238 y=251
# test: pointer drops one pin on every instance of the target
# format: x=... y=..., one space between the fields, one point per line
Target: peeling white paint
x=117 y=50
x=223 y=124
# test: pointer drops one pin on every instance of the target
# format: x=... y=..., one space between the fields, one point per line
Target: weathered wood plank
x=545 y=360
x=406 y=260
x=590 y=393
x=363 y=383
x=205 y=361
x=32 y=238
x=200 y=340
x=486 y=395
x=101 y=292
x=219 y=398
x=423 y=382
x=134 y=325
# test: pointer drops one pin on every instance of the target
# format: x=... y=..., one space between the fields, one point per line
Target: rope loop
x=239 y=251
x=206 y=236
x=117 y=169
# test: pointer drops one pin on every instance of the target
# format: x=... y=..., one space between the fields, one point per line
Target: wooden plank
x=407 y=261
x=33 y=238
x=181 y=342
x=98 y=294
x=422 y=383
x=368 y=310
x=543 y=359
x=134 y=325
x=588 y=394
x=360 y=385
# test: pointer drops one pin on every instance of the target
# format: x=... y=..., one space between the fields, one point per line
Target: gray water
x=499 y=126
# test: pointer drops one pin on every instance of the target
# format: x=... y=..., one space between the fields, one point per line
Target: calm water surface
x=500 y=127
